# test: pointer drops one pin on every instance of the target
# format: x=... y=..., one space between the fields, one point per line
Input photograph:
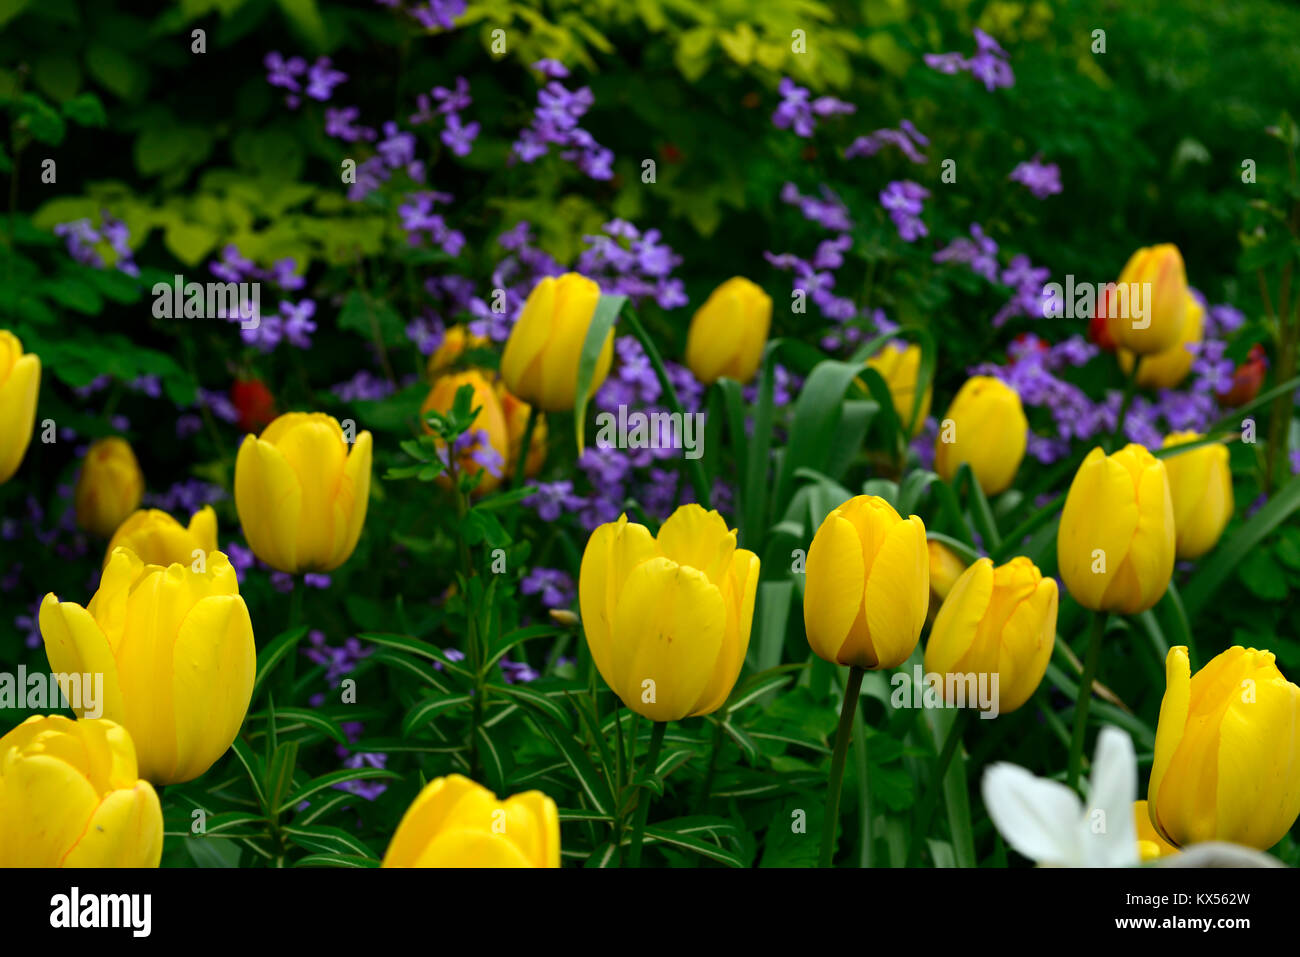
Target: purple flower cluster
x=555 y=123
x=364 y=386
x=903 y=200
x=624 y=261
x=989 y=65
x=185 y=497
x=431 y=14
x=81 y=238
x=553 y=584
x=367 y=790
x=1041 y=179
x=293 y=74
x=980 y=253
x=292 y=323
x=457 y=135
x=338 y=661
x=827 y=210
x=907 y=138
x=798 y=110
x=418 y=218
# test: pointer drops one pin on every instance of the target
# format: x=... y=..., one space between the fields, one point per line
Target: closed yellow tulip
x=175 y=647
x=109 y=487
x=867 y=585
x=945 y=568
x=20 y=383
x=70 y=797
x=997 y=621
x=455 y=342
x=161 y=540
x=493 y=441
x=1201 y=485
x=1227 y=758
x=728 y=332
x=1151 y=844
x=1162 y=329
x=668 y=618
x=516 y=412
x=540 y=361
x=1165 y=370
x=901 y=368
x=1115 y=544
x=985 y=426
x=455 y=822
x=301 y=492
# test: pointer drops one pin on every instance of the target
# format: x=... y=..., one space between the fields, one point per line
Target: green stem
x=1130 y=386
x=848 y=709
x=525 y=445
x=1084 y=699
x=295 y=619
x=476 y=657
x=714 y=751
x=643 y=801
x=925 y=812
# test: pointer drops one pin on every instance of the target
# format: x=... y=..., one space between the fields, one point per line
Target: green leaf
x=333 y=778
x=270 y=656
x=416 y=647
x=430 y=708
x=595 y=787
x=602 y=323
x=327 y=839
x=693 y=837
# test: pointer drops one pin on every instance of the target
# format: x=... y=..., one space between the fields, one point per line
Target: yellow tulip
x=867 y=585
x=455 y=822
x=455 y=341
x=20 y=383
x=985 y=426
x=997 y=621
x=540 y=361
x=1151 y=845
x=175 y=647
x=1227 y=758
x=516 y=412
x=1115 y=544
x=1165 y=370
x=302 y=492
x=493 y=440
x=70 y=797
x=1162 y=328
x=900 y=368
x=668 y=619
x=161 y=540
x=1201 y=485
x=945 y=568
x=109 y=487
x=728 y=332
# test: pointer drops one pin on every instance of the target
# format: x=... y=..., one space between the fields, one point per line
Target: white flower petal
x=1037 y=817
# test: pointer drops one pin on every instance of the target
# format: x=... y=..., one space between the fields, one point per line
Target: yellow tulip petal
x=613 y=550
x=835 y=582
x=898 y=593
x=426 y=817
x=1170 y=727
x=269 y=499
x=126 y=830
x=698 y=538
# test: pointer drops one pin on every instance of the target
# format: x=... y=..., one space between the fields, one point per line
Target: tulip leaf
x=535 y=699
x=595 y=787
x=333 y=778
x=607 y=311
x=414 y=668
x=493 y=768
x=300 y=717
x=964 y=551
x=817 y=414
x=1234 y=549
x=980 y=508
x=688 y=835
x=336 y=860
x=430 y=708
x=772 y=617
x=755 y=472
x=274 y=653
x=416 y=647
x=253 y=768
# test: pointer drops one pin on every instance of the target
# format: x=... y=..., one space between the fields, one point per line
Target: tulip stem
x=643 y=800
x=525 y=446
x=295 y=618
x=956 y=731
x=1130 y=386
x=848 y=710
x=1084 y=699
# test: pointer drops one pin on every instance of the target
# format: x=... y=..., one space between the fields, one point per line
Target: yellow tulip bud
x=70 y=797
x=1151 y=845
x=161 y=540
x=455 y=822
x=668 y=619
x=1227 y=758
x=1200 y=483
x=1115 y=544
x=900 y=368
x=997 y=621
x=867 y=585
x=540 y=361
x=109 y=487
x=985 y=426
x=20 y=383
x=1165 y=370
x=175 y=647
x=493 y=441
x=516 y=413
x=945 y=568
x=302 y=492
x=728 y=332
x=1161 y=327
x=455 y=341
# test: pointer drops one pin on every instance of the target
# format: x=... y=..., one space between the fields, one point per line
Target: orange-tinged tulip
x=540 y=361
x=70 y=796
x=20 y=384
x=516 y=415
x=1115 y=544
x=1227 y=758
x=867 y=585
x=161 y=540
x=455 y=822
x=668 y=618
x=728 y=333
x=492 y=442
x=1201 y=485
x=986 y=427
x=302 y=491
x=455 y=342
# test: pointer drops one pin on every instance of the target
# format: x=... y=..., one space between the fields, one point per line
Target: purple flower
x=902 y=199
x=282 y=72
x=797 y=110
x=1041 y=179
x=298 y=326
x=553 y=584
x=552 y=499
x=459 y=138
x=340 y=123
x=322 y=78
x=906 y=139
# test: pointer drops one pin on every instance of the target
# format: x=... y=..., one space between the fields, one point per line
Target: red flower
x=1247 y=379
x=254 y=403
